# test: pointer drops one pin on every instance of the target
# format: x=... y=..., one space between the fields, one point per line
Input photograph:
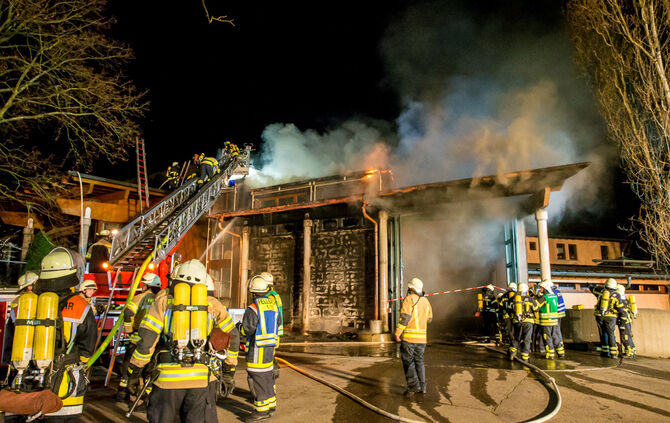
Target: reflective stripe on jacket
x=134 y=313
x=548 y=309
x=258 y=317
x=280 y=308
x=415 y=314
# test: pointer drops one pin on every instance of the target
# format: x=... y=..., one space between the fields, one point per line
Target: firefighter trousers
x=130 y=349
x=538 y=339
x=412 y=363
x=262 y=387
x=491 y=324
x=511 y=329
x=189 y=405
x=553 y=341
x=626 y=336
x=525 y=339
x=610 y=348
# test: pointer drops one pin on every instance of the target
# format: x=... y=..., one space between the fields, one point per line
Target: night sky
x=315 y=65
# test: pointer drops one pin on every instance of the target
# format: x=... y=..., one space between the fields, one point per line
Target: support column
x=383 y=269
x=28 y=232
x=244 y=265
x=83 y=235
x=306 y=272
x=543 y=244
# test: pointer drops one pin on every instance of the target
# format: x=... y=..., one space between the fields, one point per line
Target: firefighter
x=209 y=167
x=104 y=239
x=232 y=149
x=560 y=308
x=87 y=289
x=525 y=309
x=260 y=325
x=508 y=324
x=411 y=332
x=489 y=312
x=132 y=318
x=624 y=320
x=99 y=252
x=178 y=327
x=280 y=332
x=548 y=305
x=73 y=342
x=608 y=306
x=538 y=340
x=172 y=176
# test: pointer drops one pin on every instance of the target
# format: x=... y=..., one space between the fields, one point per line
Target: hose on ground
x=348 y=394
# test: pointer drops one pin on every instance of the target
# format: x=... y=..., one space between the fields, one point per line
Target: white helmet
x=258 y=285
x=621 y=290
x=28 y=279
x=416 y=285
x=210 y=283
x=88 y=284
x=523 y=288
x=192 y=271
x=151 y=279
x=512 y=286
x=610 y=283
x=268 y=277
x=105 y=232
x=490 y=287
x=546 y=285
x=59 y=262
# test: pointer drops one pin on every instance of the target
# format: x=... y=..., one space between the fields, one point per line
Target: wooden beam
x=119 y=212
x=19 y=218
x=112 y=196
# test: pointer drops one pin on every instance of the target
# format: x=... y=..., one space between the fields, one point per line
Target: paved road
x=466 y=383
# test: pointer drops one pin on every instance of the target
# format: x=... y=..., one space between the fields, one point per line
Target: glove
x=133 y=379
x=227 y=379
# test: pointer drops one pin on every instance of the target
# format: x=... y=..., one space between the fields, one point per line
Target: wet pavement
x=465 y=383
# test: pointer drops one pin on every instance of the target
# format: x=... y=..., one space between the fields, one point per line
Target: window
x=652 y=288
x=533 y=246
x=572 y=251
x=603 y=252
x=560 y=251
x=634 y=287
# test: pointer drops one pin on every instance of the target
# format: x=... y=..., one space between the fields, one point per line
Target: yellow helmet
x=58 y=263
x=416 y=285
x=28 y=279
x=268 y=277
x=87 y=284
x=192 y=271
x=258 y=285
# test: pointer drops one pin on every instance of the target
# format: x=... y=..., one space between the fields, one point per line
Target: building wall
x=587 y=250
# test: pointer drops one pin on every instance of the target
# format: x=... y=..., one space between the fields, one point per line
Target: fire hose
x=348 y=394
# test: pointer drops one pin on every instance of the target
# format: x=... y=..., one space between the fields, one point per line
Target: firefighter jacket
x=101 y=242
x=490 y=301
x=134 y=313
x=506 y=306
x=529 y=309
x=155 y=333
x=210 y=161
x=613 y=305
x=277 y=298
x=561 y=303
x=548 y=305
x=625 y=315
x=233 y=150
x=260 y=325
x=415 y=314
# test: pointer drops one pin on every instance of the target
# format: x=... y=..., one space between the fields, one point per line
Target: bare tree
x=624 y=46
x=64 y=100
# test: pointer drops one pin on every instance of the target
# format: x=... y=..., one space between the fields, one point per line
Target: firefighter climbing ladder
x=142 y=182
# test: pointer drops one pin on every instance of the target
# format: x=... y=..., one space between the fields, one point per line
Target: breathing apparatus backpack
x=188 y=324
x=34 y=343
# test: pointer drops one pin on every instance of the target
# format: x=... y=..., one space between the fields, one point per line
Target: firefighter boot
x=258 y=416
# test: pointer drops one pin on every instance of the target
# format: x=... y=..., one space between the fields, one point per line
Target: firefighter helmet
x=512 y=286
x=105 y=232
x=258 y=285
x=175 y=164
x=268 y=277
x=523 y=288
x=610 y=283
x=621 y=290
x=416 y=285
x=60 y=262
x=87 y=284
x=151 y=279
x=28 y=279
x=489 y=287
x=546 y=285
x=192 y=271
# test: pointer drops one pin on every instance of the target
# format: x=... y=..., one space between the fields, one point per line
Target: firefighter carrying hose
x=411 y=332
x=184 y=327
x=525 y=308
x=628 y=312
x=548 y=305
x=132 y=318
x=608 y=306
x=260 y=325
x=55 y=334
